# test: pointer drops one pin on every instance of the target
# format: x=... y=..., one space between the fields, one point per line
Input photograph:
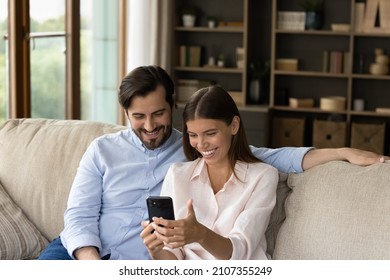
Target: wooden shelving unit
x=214 y=41
x=309 y=81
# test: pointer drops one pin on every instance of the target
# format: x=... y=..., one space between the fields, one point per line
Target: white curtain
x=150 y=33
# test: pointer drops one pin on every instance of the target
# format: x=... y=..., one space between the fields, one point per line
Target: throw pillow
x=19 y=239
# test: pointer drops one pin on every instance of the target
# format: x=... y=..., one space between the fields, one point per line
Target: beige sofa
x=334 y=211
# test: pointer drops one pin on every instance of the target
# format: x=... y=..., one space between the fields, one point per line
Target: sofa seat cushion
x=337 y=211
x=19 y=238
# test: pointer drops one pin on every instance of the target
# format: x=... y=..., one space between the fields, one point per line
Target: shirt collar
x=240 y=169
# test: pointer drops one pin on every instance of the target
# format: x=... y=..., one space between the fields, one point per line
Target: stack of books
x=190 y=56
x=335 y=62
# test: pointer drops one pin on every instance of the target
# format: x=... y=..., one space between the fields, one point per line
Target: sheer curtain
x=150 y=33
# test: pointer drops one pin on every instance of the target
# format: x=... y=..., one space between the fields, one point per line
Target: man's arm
x=360 y=157
x=298 y=159
x=87 y=253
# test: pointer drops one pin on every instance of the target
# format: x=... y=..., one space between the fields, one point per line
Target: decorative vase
x=313 y=20
x=211 y=23
x=188 y=20
x=255 y=91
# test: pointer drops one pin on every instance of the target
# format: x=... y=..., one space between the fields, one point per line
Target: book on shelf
x=325 y=61
x=382 y=110
x=336 y=62
x=190 y=56
x=301 y=102
x=359 y=16
x=346 y=65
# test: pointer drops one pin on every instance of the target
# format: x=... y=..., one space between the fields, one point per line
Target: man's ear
x=235 y=124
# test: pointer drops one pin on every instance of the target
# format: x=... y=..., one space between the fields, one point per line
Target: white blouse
x=240 y=211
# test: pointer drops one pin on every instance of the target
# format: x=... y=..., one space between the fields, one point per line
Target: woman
x=223 y=197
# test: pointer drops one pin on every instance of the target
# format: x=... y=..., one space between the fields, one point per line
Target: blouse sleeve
x=248 y=233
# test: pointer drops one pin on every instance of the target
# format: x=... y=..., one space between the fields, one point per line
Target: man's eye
x=211 y=133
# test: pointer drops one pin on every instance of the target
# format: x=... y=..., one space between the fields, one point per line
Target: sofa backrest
x=38 y=161
x=337 y=211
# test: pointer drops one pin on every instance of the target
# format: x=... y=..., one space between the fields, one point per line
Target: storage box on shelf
x=329 y=134
x=344 y=58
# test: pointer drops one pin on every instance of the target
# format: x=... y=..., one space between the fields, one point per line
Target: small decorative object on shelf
x=301 y=102
x=314 y=13
x=240 y=57
x=381 y=64
x=358 y=104
x=376 y=18
x=221 y=60
x=332 y=103
x=211 y=21
x=287 y=64
x=189 y=16
x=291 y=20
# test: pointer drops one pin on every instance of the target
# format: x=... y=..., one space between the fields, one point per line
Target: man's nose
x=149 y=124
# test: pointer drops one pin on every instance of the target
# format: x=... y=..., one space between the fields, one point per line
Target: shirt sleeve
x=248 y=233
x=84 y=203
x=287 y=159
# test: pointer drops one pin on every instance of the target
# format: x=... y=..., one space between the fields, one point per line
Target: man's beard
x=154 y=143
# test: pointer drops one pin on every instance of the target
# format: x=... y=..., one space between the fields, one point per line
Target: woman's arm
x=360 y=157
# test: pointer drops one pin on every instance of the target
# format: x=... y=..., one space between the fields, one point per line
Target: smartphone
x=160 y=207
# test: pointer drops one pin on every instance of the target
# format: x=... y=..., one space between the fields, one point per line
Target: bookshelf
x=354 y=82
x=216 y=43
x=231 y=33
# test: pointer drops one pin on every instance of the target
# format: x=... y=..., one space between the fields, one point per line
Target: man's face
x=151 y=118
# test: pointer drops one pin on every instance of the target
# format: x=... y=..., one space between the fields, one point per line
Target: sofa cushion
x=337 y=211
x=39 y=159
x=278 y=214
x=19 y=238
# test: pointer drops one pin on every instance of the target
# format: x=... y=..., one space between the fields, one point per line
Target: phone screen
x=160 y=207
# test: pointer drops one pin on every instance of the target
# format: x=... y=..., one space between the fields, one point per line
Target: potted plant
x=314 y=10
x=189 y=16
x=212 y=21
x=259 y=77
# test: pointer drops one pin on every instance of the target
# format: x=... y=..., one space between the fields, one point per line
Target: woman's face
x=212 y=138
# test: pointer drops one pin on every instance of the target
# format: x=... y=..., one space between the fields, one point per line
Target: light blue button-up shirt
x=107 y=201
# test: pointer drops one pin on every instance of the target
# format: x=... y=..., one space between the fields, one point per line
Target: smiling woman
x=223 y=197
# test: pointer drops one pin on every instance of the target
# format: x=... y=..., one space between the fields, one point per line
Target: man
x=119 y=171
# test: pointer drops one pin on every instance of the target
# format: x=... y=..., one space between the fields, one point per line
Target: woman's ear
x=235 y=124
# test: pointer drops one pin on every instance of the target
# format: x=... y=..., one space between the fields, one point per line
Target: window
x=3 y=67
x=66 y=59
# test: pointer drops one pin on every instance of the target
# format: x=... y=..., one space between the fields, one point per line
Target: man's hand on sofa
x=355 y=156
x=87 y=253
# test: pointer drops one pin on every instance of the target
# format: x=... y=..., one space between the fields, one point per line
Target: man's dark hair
x=143 y=80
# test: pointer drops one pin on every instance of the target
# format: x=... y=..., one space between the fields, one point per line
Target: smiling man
x=151 y=118
x=107 y=201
